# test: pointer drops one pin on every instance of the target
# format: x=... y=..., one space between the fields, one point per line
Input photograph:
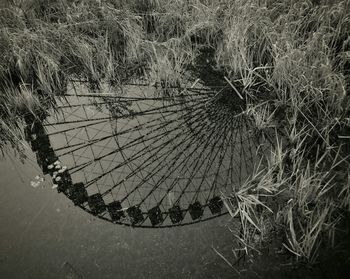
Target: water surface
x=41 y=230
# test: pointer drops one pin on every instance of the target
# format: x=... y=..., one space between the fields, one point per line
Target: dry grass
x=290 y=59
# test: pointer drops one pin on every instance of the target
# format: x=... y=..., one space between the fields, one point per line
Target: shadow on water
x=146 y=161
x=136 y=160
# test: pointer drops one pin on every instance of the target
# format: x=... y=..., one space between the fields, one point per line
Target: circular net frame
x=140 y=159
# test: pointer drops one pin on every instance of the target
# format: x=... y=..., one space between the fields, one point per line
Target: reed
x=289 y=59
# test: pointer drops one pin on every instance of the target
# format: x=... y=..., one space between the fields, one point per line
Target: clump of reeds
x=14 y=104
x=168 y=63
x=298 y=50
x=290 y=59
x=43 y=46
x=294 y=196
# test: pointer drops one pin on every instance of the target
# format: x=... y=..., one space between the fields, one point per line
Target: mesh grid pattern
x=156 y=154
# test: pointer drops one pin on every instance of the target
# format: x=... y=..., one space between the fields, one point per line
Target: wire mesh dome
x=139 y=159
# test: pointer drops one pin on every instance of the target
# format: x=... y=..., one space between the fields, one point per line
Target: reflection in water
x=138 y=159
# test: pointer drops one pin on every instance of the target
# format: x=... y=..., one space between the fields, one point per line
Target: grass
x=288 y=59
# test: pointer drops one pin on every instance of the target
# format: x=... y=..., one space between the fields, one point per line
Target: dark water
x=43 y=235
x=41 y=230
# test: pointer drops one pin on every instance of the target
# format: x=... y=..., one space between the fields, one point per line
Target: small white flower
x=58 y=178
x=57 y=162
x=37 y=177
x=62 y=169
x=34 y=184
x=50 y=167
x=54 y=186
x=58 y=167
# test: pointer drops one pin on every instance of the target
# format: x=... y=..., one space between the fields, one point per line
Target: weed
x=288 y=61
